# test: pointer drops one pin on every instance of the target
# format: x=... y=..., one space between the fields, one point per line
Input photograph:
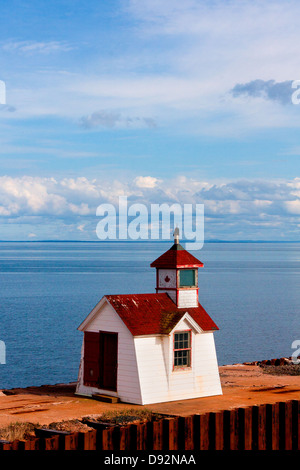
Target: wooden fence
x=262 y=427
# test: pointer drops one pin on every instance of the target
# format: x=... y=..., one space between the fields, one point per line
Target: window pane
x=182 y=358
x=187 y=277
x=182 y=340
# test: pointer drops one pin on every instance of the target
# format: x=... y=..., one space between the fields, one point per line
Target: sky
x=163 y=102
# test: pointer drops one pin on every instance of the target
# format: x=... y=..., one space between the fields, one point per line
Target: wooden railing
x=262 y=427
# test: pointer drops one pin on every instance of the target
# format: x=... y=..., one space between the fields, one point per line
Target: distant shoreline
x=147 y=241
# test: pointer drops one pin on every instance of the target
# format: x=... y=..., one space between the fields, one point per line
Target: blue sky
x=174 y=101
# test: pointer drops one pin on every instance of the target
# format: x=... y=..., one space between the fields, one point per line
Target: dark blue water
x=251 y=290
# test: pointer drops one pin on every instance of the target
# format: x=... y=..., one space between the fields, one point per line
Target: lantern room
x=177 y=275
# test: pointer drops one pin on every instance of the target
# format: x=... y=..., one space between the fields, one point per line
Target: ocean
x=251 y=290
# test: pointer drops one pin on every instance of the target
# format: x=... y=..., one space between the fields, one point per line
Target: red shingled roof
x=150 y=314
x=176 y=257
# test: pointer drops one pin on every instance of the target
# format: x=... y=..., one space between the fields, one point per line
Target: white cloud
x=146 y=181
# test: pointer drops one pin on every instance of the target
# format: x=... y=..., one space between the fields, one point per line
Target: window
x=182 y=349
x=187 y=278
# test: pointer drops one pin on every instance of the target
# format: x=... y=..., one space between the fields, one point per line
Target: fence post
x=52 y=443
x=275 y=426
x=173 y=434
x=261 y=428
x=248 y=428
x=124 y=438
x=71 y=441
x=92 y=440
x=234 y=430
x=15 y=445
x=189 y=433
x=219 y=430
x=288 y=426
x=141 y=437
x=107 y=439
x=158 y=435
x=204 y=431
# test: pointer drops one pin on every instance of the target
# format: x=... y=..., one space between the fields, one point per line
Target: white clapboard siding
x=159 y=382
x=187 y=298
x=152 y=360
x=128 y=385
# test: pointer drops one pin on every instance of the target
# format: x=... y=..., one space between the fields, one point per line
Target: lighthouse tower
x=177 y=275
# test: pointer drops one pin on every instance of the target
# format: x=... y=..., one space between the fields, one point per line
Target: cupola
x=177 y=274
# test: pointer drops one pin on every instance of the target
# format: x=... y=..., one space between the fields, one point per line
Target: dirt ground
x=242 y=385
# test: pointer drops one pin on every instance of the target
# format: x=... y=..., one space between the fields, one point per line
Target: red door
x=91 y=359
x=108 y=363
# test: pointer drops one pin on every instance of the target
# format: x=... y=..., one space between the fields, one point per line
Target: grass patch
x=71 y=425
x=287 y=369
x=123 y=417
x=18 y=431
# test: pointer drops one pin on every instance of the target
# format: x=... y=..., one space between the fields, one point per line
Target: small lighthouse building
x=152 y=348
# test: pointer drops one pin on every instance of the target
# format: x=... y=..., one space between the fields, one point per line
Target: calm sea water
x=251 y=290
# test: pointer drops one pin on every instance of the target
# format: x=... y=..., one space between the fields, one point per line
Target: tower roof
x=176 y=257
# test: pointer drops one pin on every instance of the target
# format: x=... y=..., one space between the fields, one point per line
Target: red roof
x=176 y=257
x=150 y=314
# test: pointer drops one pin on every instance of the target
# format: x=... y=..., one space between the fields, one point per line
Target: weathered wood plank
x=204 y=431
x=173 y=434
x=71 y=441
x=107 y=439
x=261 y=431
x=288 y=426
x=141 y=437
x=158 y=435
x=219 y=430
x=189 y=433
x=52 y=443
x=233 y=430
x=124 y=438
x=275 y=426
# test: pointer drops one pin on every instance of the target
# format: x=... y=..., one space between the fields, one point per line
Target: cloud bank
x=233 y=210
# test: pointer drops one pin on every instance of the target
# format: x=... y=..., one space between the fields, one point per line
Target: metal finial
x=176 y=235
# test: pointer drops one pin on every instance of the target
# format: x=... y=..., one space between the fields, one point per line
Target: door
x=91 y=359
x=108 y=361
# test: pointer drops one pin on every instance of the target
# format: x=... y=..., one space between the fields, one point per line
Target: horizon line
x=147 y=241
